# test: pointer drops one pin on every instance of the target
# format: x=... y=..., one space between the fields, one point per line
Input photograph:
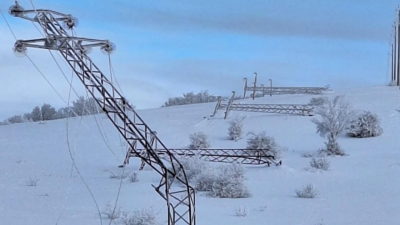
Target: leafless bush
x=140 y=217
x=262 y=145
x=307 y=192
x=229 y=183
x=241 y=211
x=32 y=182
x=199 y=140
x=308 y=154
x=320 y=164
x=110 y=212
x=115 y=176
x=335 y=116
x=235 y=129
x=133 y=177
x=316 y=101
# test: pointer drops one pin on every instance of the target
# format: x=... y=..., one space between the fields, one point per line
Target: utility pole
x=245 y=88
x=394 y=61
x=270 y=87
x=398 y=49
x=255 y=85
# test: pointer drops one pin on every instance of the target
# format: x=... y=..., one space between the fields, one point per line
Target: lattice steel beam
x=181 y=202
x=288 y=90
x=243 y=156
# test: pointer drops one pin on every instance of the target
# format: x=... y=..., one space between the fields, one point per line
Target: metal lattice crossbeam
x=289 y=90
x=243 y=156
x=271 y=108
x=181 y=202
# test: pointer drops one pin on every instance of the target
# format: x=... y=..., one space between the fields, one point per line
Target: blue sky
x=165 y=48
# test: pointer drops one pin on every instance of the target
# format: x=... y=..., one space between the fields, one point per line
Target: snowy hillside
x=360 y=188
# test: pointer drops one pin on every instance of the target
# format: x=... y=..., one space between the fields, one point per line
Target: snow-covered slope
x=360 y=188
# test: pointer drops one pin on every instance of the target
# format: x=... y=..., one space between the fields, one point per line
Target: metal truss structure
x=180 y=198
x=305 y=110
x=243 y=156
x=280 y=90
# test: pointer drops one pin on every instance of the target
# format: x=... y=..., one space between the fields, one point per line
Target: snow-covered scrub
x=241 y=211
x=199 y=140
x=145 y=216
x=133 y=177
x=205 y=180
x=111 y=212
x=224 y=181
x=307 y=191
x=193 y=166
x=365 y=125
x=229 y=183
x=118 y=176
x=335 y=116
x=32 y=182
x=317 y=101
x=262 y=145
x=235 y=129
x=320 y=164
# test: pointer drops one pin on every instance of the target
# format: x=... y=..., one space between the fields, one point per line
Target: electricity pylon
x=181 y=200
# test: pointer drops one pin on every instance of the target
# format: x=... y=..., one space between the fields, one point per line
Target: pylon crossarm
x=60 y=43
x=31 y=15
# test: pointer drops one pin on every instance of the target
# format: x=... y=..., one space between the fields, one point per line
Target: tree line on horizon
x=80 y=107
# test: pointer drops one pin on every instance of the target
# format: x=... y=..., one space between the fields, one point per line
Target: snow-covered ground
x=360 y=188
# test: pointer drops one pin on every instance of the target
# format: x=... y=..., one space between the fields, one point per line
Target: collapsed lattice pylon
x=180 y=198
x=271 y=90
x=299 y=109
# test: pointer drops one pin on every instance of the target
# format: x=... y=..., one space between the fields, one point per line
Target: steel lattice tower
x=180 y=198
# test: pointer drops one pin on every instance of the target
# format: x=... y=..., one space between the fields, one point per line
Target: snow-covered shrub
x=32 y=182
x=241 y=211
x=320 y=164
x=235 y=129
x=308 y=154
x=140 y=217
x=229 y=183
x=199 y=140
x=133 y=177
x=115 y=176
x=193 y=166
x=262 y=145
x=365 y=125
x=316 y=101
x=307 y=192
x=205 y=180
x=335 y=116
x=110 y=212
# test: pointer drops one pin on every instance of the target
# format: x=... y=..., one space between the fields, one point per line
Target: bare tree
x=335 y=116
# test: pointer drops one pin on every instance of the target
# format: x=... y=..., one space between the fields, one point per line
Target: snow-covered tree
x=36 y=114
x=48 y=112
x=16 y=119
x=199 y=140
x=262 y=145
x=235 y=129
x=335 y=116
x=365 y=125
x=317 y=101
x=79 y=106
